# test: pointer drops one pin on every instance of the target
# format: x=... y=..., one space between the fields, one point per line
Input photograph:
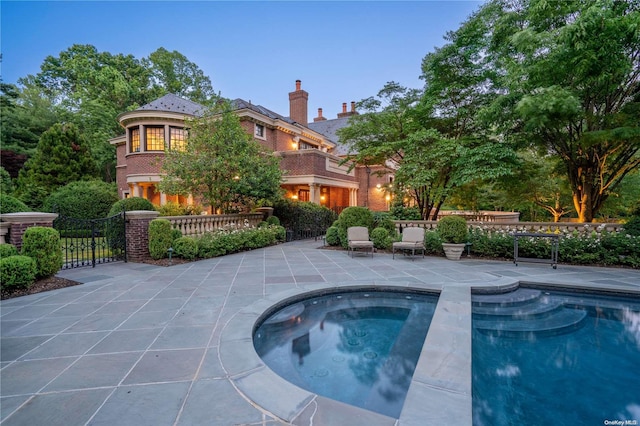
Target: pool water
x=555 y=358
x=360 y=348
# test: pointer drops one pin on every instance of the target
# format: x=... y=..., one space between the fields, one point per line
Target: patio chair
x=358 y=238
x=412 y=239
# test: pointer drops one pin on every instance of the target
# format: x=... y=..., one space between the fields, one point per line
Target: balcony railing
x=198 y=225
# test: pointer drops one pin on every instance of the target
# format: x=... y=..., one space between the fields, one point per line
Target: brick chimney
x=319 y=117
x=298 y=105
x=346 y=113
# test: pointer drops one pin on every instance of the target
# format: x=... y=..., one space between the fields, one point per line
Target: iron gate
x=87 y=242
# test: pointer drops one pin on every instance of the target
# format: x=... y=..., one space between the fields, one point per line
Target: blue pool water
x=544 y=357
x=356 y=347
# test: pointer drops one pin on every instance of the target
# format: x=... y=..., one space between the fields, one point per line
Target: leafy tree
x=90 y=88
x=24 y=116
x=62 y=156
x=172 y=72
x=407 y=128
x=570 y=73
x=221 y=164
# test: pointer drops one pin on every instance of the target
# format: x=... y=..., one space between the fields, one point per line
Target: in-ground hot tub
x=358 y=347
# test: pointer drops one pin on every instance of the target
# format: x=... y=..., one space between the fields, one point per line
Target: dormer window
x=259 y=131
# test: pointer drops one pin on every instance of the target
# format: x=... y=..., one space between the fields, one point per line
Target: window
x=259 y=130
x=178 y=139
x=305 y=145
x=134 y=136
x=303 y=195
x=155 y=138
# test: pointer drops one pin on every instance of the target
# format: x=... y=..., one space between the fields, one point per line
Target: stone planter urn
x=453 y=234
x=267 y=212
x=453 y=251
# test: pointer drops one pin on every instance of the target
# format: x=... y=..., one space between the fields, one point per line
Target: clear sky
x=342 y=51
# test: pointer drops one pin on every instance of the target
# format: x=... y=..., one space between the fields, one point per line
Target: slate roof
x=242 y=104
x=328 y=128
x=174 y=103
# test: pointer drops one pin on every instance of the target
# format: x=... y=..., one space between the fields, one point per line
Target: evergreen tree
x=62 y=156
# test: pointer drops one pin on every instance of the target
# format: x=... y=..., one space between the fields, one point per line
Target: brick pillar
x=138 y=234
x=20 y=222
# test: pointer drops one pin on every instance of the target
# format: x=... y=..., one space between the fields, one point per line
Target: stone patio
x=146 y=345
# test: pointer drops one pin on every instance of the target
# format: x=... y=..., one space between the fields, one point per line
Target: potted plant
x=453 y=233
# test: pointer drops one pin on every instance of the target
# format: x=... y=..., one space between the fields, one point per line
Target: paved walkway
x=145 y=345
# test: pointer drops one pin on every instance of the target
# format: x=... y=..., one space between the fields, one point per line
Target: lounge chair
x=412 y=239
x=358 y=238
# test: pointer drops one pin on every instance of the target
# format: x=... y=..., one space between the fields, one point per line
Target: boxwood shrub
x=185 y=247
x=43 y=245
x=160 y=238
x=7 y=250
x=352 y=216
x=17 y=271
x=381 y=239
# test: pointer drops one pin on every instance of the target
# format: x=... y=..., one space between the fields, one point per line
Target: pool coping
x=441 y=387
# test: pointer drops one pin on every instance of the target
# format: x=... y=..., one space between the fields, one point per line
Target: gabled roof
x=173 y=103
x=242 y=104
x=328 y=128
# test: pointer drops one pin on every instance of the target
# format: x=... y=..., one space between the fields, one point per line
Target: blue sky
x=342 y=51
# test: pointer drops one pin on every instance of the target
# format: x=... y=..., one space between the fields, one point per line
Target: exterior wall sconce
x=295 y=197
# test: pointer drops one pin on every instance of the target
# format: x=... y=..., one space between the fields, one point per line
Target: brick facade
x=308 y=157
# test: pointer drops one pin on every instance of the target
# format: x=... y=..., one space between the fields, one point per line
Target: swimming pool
x=358 y=347
x=549 y=357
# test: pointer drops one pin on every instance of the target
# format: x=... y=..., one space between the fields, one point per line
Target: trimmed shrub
x=7 y=250
x=332 y=238
x=352 y=216
x=9 y=204
x=43 y=245
x=452 y=229
x=381 y=239
x=175 y=234
x=186 y=247
x=273 y=220
x=17 y=271
x=129 y=204
x=280 y=232
x=83 y=199
x=160 y=238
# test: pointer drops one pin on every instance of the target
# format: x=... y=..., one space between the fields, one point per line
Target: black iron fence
x=88 y=242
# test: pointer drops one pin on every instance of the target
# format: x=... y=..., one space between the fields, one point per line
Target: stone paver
x=139 y=345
